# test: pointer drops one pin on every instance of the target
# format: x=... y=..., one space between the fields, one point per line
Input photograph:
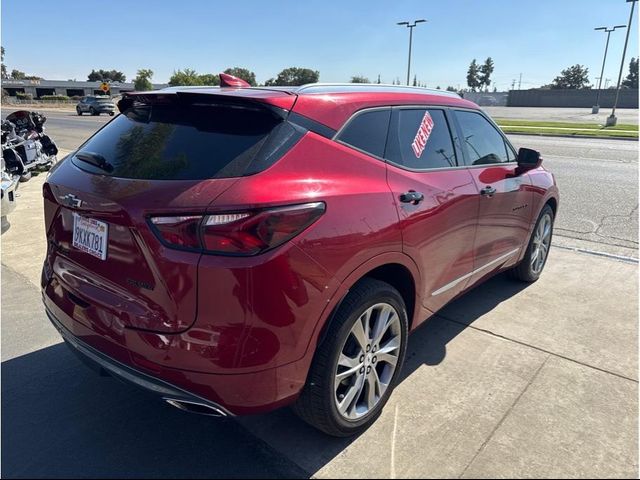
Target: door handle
x=488 y=191
x=412 y=197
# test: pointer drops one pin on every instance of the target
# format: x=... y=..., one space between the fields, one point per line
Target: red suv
x=240 y=249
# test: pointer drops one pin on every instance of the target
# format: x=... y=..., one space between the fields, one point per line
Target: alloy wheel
x=368 y=361
x=541 y=243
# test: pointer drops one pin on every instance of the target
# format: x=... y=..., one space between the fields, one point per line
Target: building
x=69 y=88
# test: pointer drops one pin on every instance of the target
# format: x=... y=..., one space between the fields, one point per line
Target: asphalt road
x=598 y=181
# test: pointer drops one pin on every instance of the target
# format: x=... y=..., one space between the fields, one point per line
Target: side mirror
x=528 y=159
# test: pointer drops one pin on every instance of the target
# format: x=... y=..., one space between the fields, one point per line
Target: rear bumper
x=231 y=394
x=106 y=365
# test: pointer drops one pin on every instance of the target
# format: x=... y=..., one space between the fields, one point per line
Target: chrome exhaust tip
x=196 y=407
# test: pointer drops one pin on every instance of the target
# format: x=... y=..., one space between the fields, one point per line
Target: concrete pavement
x=510 y=380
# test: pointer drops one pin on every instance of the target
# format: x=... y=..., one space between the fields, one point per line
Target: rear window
x=188 y=142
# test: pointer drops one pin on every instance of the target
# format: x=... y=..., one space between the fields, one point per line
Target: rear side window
x=187 y=142
x=368 y=131
x=420 y=139
x=482 y=143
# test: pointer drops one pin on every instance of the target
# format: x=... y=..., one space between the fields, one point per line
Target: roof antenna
x=227 y=80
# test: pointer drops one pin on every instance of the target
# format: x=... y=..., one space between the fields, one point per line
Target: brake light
x=179 y=231
x=238 y=233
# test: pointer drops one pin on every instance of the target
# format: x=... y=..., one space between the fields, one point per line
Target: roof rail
x=369 y=87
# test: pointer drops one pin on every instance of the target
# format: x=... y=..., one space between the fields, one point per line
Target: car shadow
x=59 y=419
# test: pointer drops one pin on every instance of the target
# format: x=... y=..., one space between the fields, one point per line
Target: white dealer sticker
x=424 y=132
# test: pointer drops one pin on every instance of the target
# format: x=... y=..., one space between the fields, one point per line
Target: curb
x=570 y=136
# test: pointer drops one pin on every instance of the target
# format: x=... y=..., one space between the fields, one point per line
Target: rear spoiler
x=232 y=91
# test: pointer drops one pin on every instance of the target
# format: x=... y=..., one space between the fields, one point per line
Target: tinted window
x=483 y=144
x=420 y=139
x=189 y=142
x=368 y=131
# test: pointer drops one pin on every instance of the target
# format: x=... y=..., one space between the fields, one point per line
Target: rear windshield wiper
x=95 y=159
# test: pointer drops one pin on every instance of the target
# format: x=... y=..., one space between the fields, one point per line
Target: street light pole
x=596 y=107
x=612 y=120
x=410 y=27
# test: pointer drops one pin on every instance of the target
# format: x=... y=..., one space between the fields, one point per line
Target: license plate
x=90 y=236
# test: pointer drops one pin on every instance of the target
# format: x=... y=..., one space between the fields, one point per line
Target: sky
x=65 y=39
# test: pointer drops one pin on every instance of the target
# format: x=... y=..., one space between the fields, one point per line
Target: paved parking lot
x=509 y=381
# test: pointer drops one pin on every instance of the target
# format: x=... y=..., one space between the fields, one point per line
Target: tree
x=294 y=76
x=243 y=73
x=473 y=76
x=4 y=67
x=17 y=74
x=106 y=76
x=360 y=79
x=575 y=77
x=189 y=77
x=209 y=79
x=33 y=77
x=485 y=73
x=378 y=82
x=415 y=80
x=142 y=82
x=632 y=79
x=451 y=89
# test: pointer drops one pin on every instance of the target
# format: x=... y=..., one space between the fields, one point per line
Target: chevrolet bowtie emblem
x=71 y=200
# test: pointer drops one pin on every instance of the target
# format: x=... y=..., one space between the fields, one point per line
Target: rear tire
x=93 y=111
x=535 y=258
x=362 y=352
x=78 y=111
x=111 y=114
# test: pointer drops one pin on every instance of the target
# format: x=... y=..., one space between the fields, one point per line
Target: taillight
x=179 y=231
x=237 y=233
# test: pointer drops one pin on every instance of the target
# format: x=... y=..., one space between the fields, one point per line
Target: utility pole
x=410 y=27
x=520 y=83
x=513 y=84
x=612 y=120
x=606 y=83
x=607 y=30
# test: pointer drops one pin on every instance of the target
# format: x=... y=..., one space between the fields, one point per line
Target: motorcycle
x=25 y=146
x=8 y=187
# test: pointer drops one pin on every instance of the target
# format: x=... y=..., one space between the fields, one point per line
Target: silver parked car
x=95 y=105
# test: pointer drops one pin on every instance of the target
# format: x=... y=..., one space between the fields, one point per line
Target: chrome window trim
x=455 y=282
x=446 y=108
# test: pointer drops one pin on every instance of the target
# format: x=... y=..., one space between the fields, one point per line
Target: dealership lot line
x=510 y=380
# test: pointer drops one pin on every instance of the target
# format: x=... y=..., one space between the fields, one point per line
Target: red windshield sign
x=424 y=132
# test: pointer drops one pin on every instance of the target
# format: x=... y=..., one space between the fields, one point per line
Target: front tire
x=535 y=258
x=357 y=366
x=78 y=111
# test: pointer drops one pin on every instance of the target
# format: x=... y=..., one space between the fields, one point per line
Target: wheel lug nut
x=374 y=360
x=362 y=370
x=361 y=358
x=368 y=348
x=368 y=369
